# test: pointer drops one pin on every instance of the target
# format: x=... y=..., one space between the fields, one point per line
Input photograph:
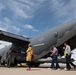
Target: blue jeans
x=54 y=60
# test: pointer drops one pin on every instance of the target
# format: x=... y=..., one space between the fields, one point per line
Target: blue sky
x=33 y=17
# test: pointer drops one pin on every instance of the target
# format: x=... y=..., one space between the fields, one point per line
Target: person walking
x=54 y=57
x=29 y=56
x=68 y=57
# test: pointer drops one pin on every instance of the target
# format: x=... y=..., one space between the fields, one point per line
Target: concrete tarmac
x=42 y=70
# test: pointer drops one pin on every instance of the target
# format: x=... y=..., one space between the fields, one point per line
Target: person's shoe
x=58 y=69
x=50 y=68
x=66 y=69
x=28 y=69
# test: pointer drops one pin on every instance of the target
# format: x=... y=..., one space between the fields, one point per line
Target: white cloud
x=17 y=29
x=17 y=9
x=63 y=9
x=27 y=8
x=30 y=27
x=24 y=8
x=7 y=21
x=4 y=29
x=1 y=7
x=7 y=25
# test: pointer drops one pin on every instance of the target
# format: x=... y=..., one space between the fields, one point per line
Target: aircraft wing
x=10 y=37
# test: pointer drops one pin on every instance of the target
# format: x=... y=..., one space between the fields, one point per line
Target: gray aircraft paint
x=62 y=32
x=43 y=42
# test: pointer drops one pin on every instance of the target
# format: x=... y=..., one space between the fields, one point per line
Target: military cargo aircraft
x=41 y=43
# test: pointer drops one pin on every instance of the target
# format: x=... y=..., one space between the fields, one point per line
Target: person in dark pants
x=29 y=55
x=68 y=57
x=9 y=58
x=54 y=57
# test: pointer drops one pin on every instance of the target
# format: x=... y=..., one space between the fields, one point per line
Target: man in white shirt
x=68 y=57
x=67 y=49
